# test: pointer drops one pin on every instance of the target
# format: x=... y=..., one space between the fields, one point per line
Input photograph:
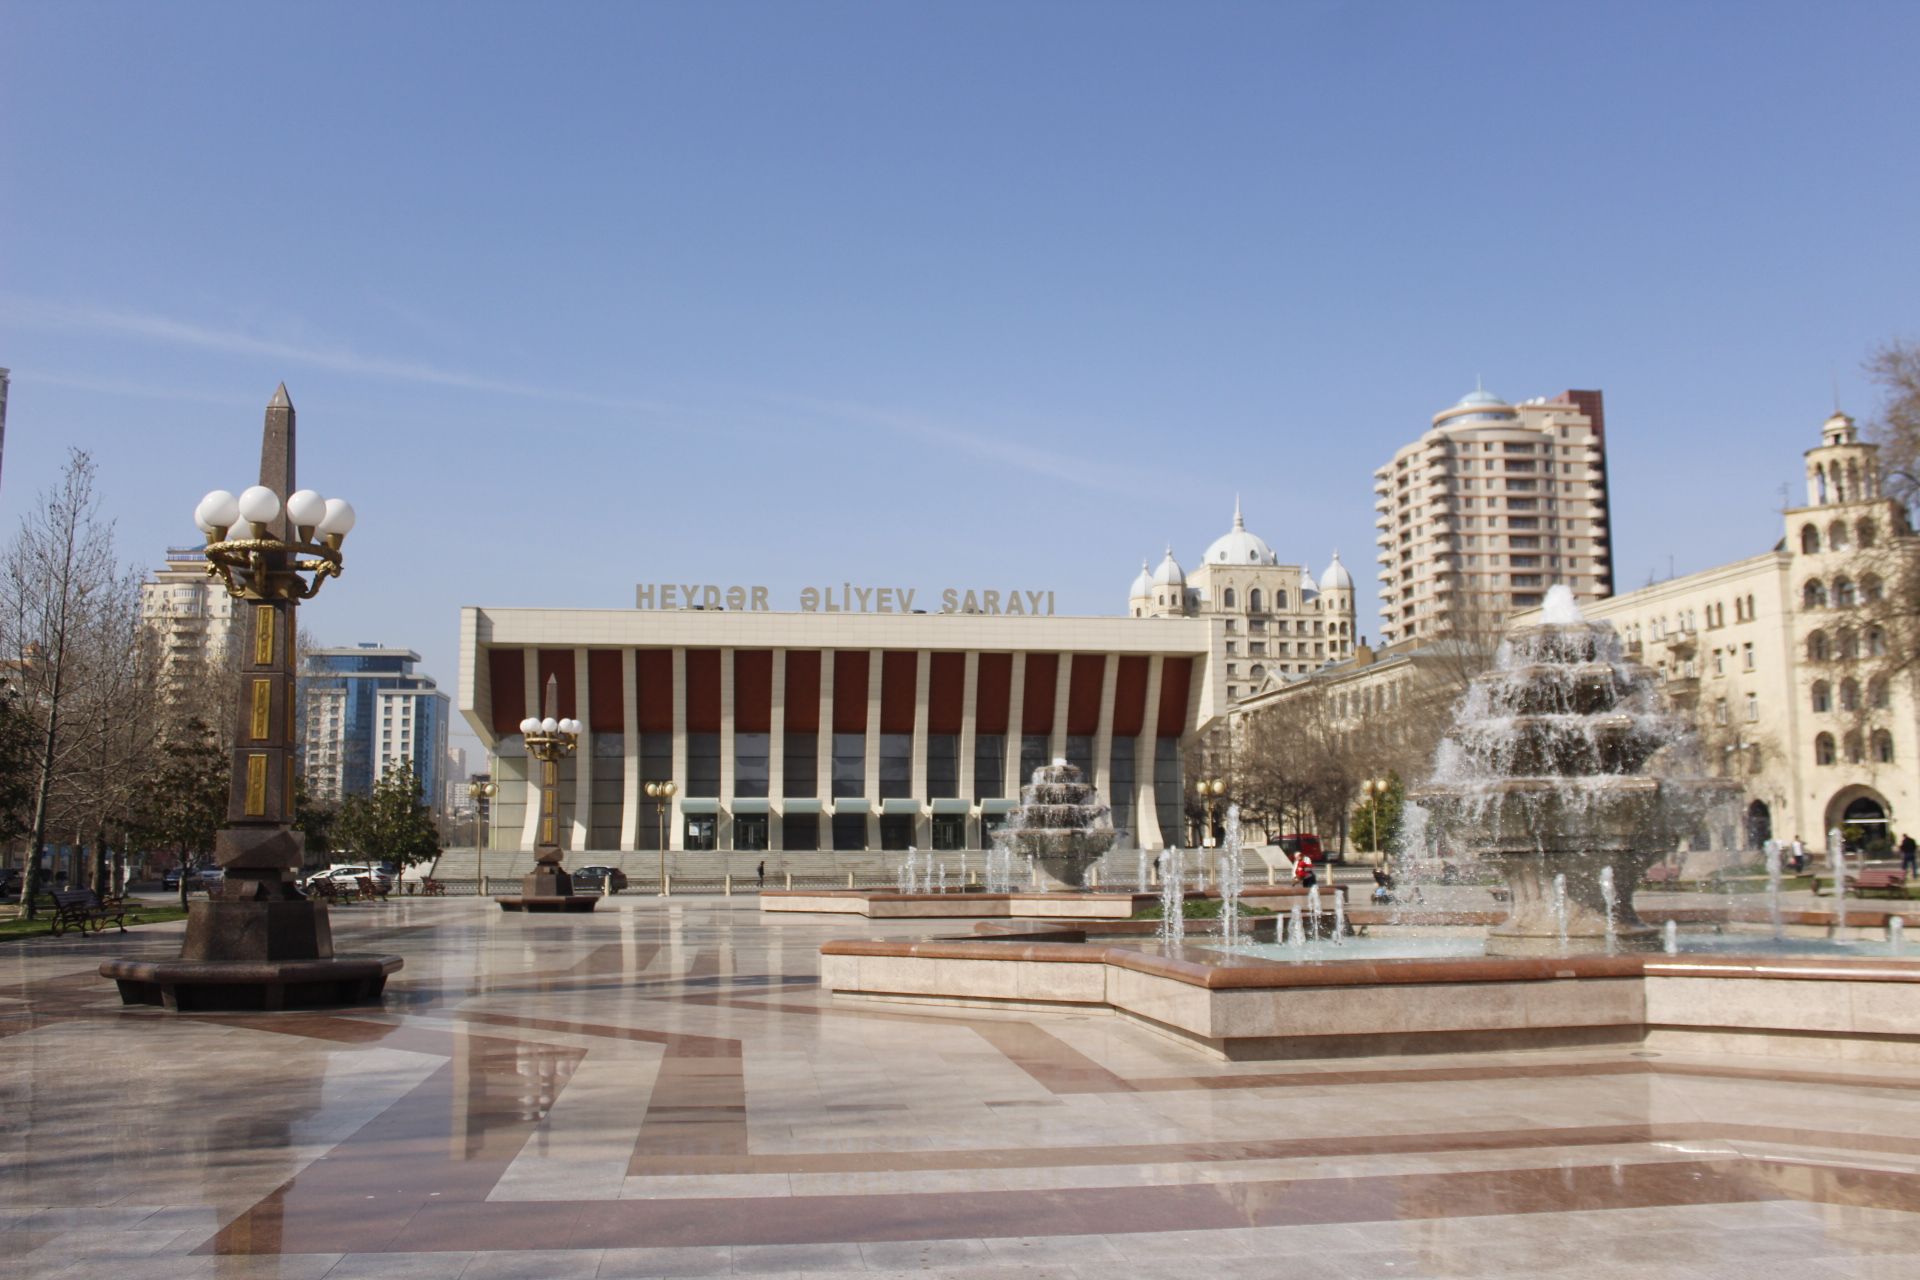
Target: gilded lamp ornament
x=261 y=566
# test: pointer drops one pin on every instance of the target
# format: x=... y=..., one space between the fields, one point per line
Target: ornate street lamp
x=550 y=739
x=480 y=792
x=662 y=793
x=1376 y=789
x=257 y=942
x=1210 y=791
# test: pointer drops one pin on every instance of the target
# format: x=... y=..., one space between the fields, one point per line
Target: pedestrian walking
x=1303 y=871
x=1909 y=854
x=760 y=873
x=1799 y=855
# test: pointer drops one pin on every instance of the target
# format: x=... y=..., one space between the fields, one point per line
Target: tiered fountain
x=1564 y=769
x=1061 y=826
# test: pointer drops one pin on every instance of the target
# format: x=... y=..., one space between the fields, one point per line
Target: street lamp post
x=479 y=793
x=257 y=942
x=662 y=793
x=1210 y=791
x=550 y=738
x=1376 y=789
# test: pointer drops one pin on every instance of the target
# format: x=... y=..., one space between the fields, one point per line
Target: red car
x=1300 y=842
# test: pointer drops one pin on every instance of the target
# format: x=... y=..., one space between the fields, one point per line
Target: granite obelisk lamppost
x=257 y=942
x=550 y=739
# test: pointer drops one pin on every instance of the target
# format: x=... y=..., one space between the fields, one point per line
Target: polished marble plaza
x=660 y=1089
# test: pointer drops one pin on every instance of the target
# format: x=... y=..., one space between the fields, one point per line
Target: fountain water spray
x=1339 y=915
x=1896 y=936
x=1560 y=907
x=1670 y=938
x=1296 y=928
x=1773 y=888
x=1313 y=911
x=1173 y=898
x=1837 y=860
x=1144 y=877
x=1232 y=880
x=1610 y=896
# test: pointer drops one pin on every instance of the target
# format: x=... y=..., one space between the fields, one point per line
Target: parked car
x=597 y=878
x=10 y=882
x=170 y=879
x=1298 y=843
x=206 y=879
x=346 y=877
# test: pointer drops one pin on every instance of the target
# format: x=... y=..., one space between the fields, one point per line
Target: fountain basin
x=1238 y=1007
x=892 y=905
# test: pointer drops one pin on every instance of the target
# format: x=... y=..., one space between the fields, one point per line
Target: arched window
x=1876 y=643
x=1226 y=598
x=1872 y=589
x=1253 y=600
x=1849 y=694
x=1863 y=533
x=1843 y=594
x=1256 y=671
x=1823 y=749
x=1136 y=612
x=1847 y=646
x=1749 y=608
x=1820 y=486
x=1814 y=595
x=1882 y=747
x=1279 y=600
x=1809 y=540
x=1854 y=754
x=1837 y=536
x=1817 y=650
x=1853 y=479
x=1822 y=696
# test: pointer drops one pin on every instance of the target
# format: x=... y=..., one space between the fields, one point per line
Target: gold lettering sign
x=256 y=786
x=263 y=635
x=546 y=831
x=551 y=772
x=262 y=709
x=548 y=798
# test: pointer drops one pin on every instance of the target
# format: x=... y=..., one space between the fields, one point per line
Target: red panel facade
x=899 y=672
x=753 y=690
x=946 y=692
x=803 y=691
x=1084 y=681
x=1176 y=677
x=703 y=691
x=557 y=663
x=507 y=680
x=606 y=692
x=993 y=693
x=1036 y=703
x=653 y=673
x=850 y=690
x=1130 y=695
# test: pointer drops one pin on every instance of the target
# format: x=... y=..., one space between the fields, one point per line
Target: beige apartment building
x=1786 y=660
x=1279 y=621
x=1487 y=508
x=192 y=615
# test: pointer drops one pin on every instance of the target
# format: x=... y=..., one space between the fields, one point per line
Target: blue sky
x=574 y=296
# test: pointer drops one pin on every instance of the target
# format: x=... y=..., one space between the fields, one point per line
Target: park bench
x=323 y=890
x=433 y=888
x=1891 y=883
x=85 y=910
x=372 y=888
x=1662 y=873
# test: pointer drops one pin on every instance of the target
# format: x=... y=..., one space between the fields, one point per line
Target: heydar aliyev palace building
x=856 y=717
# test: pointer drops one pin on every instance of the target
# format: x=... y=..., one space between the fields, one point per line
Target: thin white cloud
x=41 y=313
x=1082 y=471
x=137 y=390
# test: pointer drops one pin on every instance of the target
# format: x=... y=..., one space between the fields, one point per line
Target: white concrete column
x=1062 y=684
x=923 y=820
x=1146 y=816
x=1103 y=733
x=630 y=753
x=582 y=756
x=675 y=823
x=723 y=821
x=530 y=835
x=875 y=661
x=969 y=742
x=1016 y=696
x=777 y=752
x=823 y=750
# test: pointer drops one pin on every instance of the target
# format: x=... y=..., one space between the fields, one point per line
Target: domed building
x=1280 y=621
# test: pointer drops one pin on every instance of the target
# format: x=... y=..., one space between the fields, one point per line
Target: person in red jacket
x=1303 y=871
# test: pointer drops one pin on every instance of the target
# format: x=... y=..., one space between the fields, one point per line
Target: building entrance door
x=750 y=831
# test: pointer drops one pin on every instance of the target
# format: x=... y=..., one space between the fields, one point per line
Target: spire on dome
x=1238 y=521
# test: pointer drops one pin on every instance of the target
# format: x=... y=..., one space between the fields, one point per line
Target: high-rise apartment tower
x=1486 y=510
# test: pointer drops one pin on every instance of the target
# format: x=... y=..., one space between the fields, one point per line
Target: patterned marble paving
x=660 y=1090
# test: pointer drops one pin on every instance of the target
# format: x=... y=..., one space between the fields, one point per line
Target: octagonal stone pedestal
x=239 y=986
x=548 y=888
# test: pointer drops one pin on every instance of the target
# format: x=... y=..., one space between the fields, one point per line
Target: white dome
x=1169 y=574
x=1237 y=546
x=1336 y=578
x=1142 y=585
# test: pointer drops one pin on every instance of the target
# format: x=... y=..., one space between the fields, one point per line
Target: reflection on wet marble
x=659 y=1089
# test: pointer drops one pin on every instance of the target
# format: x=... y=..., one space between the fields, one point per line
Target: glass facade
x=750 y=832
x=943 y=766
x=800 y=831
x=1033 y=754
x=989 y=766
x=1168 y=803
x=896 y=830
x=849 y=831
x=702 y=831
x=379 y=710
x=750 y=765
x=849 y=767
x=802 y=766
x=703 y=766
x=1122 y=786
x=949 y=831
x=896 y=766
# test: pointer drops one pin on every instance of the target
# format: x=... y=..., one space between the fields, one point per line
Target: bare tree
x=61 y=588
